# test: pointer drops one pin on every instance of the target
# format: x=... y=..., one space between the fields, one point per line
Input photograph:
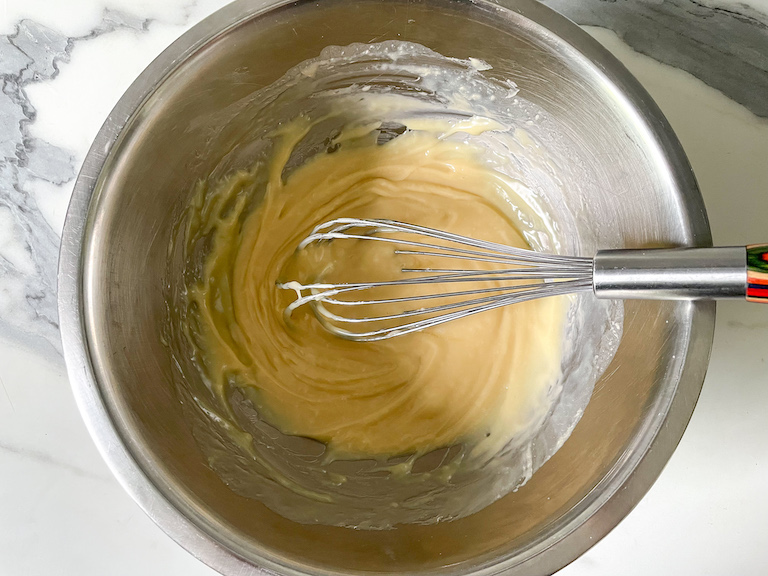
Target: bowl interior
x=148 y=178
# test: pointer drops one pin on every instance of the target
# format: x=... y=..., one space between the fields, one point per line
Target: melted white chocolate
x=422 y=428
x=482 y=380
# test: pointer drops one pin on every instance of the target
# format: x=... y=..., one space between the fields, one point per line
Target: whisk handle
x=682 y=273
x=757 y=273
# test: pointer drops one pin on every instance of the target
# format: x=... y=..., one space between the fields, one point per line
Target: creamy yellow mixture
x=481 y=380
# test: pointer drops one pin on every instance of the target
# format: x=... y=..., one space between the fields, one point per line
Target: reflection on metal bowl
x=137 y=181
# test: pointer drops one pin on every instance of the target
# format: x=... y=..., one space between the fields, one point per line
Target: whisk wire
x=339 y=227
x=519 y=291
x=586 y=264
x=324 y=316
x=553 y=275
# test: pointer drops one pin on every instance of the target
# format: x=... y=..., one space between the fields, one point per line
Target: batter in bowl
x=325 y=430
x=482 y=380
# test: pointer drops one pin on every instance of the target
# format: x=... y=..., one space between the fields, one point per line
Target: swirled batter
x=421 y=428
x=483 y=379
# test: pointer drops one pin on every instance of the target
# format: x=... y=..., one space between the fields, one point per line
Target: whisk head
x=420 y=297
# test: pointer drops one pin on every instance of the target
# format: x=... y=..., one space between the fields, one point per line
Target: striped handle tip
x=757 y=273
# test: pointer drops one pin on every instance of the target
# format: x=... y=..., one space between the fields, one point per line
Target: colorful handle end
x=757 y=273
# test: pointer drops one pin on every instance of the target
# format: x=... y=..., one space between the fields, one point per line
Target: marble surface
x=65 y=64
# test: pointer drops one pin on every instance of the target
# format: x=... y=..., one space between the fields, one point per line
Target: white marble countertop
x=65 y=64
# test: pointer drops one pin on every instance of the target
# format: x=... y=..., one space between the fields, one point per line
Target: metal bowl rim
x=620 y=493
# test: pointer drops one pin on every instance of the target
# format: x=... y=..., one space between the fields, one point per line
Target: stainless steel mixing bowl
x=138 y=176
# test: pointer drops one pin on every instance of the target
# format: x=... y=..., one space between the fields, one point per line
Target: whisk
x=520 y=275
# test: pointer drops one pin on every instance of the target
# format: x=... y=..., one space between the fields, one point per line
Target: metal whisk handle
x=683 y=273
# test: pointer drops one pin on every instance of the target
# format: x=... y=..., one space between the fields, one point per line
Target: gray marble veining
x=724 y=47
x=28 y=244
